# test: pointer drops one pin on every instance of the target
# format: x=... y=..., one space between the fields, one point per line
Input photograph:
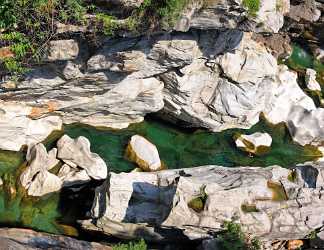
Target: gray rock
x=77 y=151
x=271 y=203
x=63 y=50
x=26 y=239
x=71 y=176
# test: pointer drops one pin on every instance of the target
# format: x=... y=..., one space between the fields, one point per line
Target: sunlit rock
x=257 y=143
x=285 y=95
x=311 y=82
x=143 y=153
x=78 y=152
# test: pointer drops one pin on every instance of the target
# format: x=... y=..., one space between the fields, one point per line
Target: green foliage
x=27 y=26
x=140 y=245
x=109 y=23
x=234 y=239
x=253 y=6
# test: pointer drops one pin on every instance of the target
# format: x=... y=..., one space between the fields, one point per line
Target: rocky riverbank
x=216 y=118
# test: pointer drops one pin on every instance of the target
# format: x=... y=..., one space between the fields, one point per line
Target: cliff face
x=217 y=65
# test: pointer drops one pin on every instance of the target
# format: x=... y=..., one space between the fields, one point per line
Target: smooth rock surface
x=271 y=203
x=143 y=153
x=77 y=151
x=257 y=143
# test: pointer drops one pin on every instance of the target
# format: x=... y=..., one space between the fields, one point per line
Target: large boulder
x=271 y=203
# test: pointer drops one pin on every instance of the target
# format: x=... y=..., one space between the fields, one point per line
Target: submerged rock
x=257 y=143
x=77 y=151
x=155 y=205
x=143 y=153
x=26 y=239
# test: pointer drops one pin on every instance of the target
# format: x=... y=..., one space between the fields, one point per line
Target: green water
x=178 y=149
x=182 y=149
x=301 y=60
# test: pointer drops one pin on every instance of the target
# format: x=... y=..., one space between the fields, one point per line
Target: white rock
x=285 y=96
x=78 y=152
x=306 y=126
x=38 y=161
x=311 y=82
x=255 y=143
x=144 y=153
x=44 y=183
x=249 y=63
x=18 y=130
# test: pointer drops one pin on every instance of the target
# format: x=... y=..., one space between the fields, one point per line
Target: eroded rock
x=38 y=161
x=77 y=151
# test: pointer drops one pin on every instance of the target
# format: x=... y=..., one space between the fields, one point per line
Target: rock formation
x=81 y=165
x=272 y=203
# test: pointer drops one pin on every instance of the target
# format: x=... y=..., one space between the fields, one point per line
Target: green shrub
x=234 y=239
x=140 y=245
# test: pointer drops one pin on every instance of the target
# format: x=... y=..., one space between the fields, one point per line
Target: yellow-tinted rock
x=144 y=154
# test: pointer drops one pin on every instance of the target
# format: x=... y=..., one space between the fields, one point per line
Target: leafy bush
x=141 y=245
x=234 y=239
